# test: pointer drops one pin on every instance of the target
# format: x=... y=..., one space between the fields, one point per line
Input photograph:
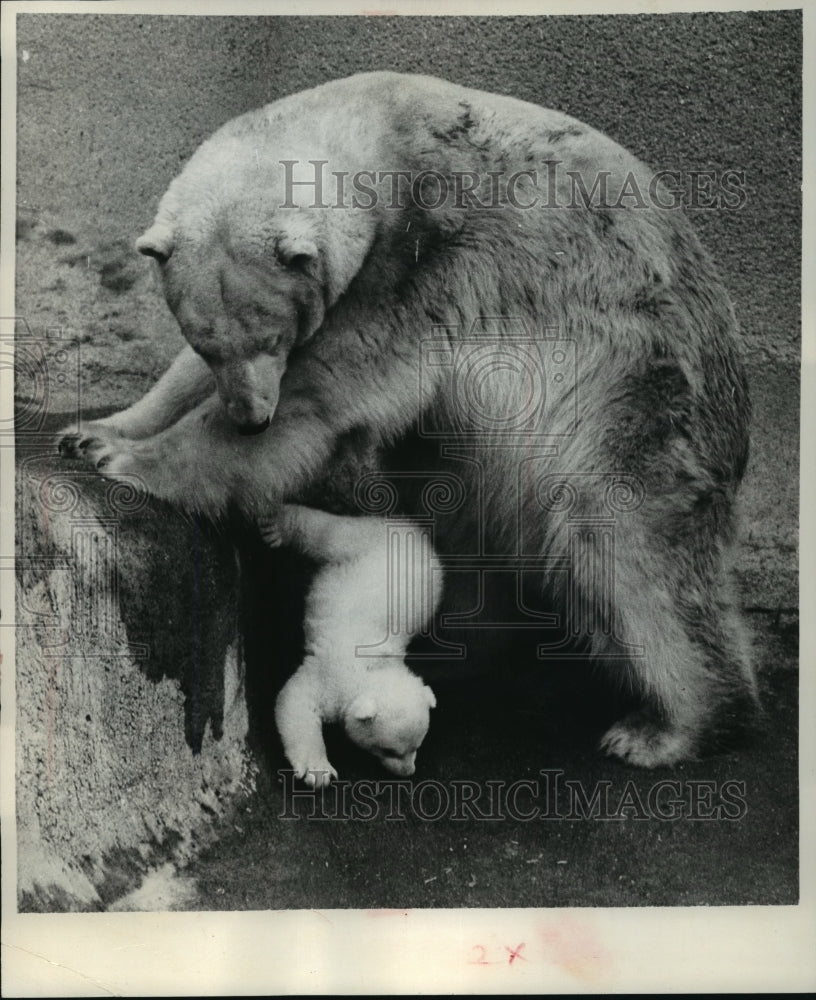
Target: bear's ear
x=430 y=697
x=363 y=709
x=296 y=250
x=157 y=242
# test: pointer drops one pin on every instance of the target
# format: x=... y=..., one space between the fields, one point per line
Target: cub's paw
x=315 y=773
x=271 y=532
x=639 y=739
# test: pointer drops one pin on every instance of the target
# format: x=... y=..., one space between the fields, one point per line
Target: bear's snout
x=249 y=392
x=248 y=430
x=249 y=414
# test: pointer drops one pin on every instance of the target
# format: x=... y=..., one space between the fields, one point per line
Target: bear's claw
x=73 y=445
x=640 y=741
x=79 y=443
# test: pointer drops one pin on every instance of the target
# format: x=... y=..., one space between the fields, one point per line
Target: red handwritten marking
x=515 y=953
x=483 y=959
x=570 y=944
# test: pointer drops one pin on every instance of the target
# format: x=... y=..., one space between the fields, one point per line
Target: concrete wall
x=131 y=712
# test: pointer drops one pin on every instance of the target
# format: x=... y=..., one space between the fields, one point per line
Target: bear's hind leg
x=690 y=659
x=653 y=470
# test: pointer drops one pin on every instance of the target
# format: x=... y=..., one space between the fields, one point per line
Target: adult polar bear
x=304 y=310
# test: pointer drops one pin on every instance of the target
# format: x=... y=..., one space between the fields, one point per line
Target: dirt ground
x=109 y=108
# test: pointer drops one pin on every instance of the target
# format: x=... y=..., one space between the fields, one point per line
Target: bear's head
x=248 y=277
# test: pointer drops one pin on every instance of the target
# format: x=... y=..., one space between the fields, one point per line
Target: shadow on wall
x=172 y=580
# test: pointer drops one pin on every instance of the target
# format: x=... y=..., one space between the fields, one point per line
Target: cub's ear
x=296 y=250
x=157 y=242
x=430 y=697
x=363 y=709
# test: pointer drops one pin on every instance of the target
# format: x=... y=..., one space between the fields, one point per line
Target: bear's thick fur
x=519 y=293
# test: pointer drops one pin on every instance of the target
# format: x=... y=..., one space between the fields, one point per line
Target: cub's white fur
x=375 y=590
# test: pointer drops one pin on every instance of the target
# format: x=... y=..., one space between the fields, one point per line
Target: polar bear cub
x=375 y=589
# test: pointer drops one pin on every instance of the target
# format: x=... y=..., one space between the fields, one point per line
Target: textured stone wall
x=131 y=709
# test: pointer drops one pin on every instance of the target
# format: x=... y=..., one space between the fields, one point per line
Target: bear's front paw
x=113 y=456
x=315 y=773
x=76 y=442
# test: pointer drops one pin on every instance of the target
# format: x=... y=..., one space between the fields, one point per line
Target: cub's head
x=390 y=718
